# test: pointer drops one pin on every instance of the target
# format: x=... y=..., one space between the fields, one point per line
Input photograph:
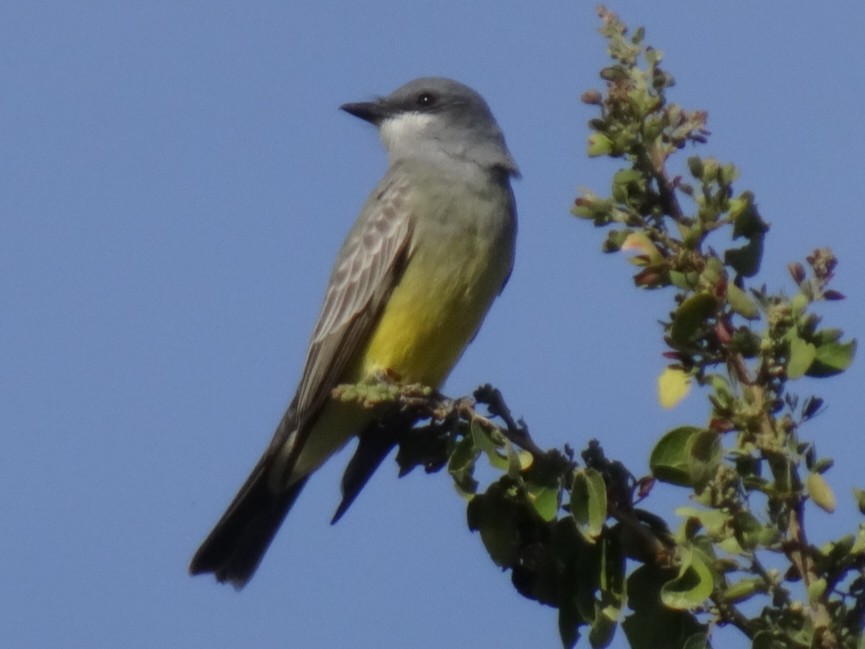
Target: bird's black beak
x=372 y=111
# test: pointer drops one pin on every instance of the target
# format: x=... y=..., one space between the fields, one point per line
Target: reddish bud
x=797 y=272
x=591 y=97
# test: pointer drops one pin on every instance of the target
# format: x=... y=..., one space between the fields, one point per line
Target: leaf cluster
x=576 y=535
x=749 y=471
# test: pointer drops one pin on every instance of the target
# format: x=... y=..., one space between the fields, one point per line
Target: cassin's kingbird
x=431 y=249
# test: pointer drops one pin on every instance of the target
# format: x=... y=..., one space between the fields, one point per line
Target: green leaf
x=484 y=441
x=686 y=456
x=615 y=239
x=743 y=590
x=692 y=586
x=798 y=304
x=680 y=280
x=603 y=626
x=589 y=503
x=659 y=629
x=569 y=625
x=858 y=547
x=720 y=385
x=713 y=520
x=628 y=185
x=612 y=577
x=749 y=532
x=729 y=173
x=802 y=355
x=769 y=640
x=545 y=500
x=611 y=589
x=496 y=516
x=859 y=495
x=746 y=342
x=747 y=221
x=838 y=551
x=461 y=465
x=518 y=459
x=697 y=641
x=826 y=335
x=713 y=272
x=832 y=358
x=691 y=316
x=816 y=589
x=670 y=459
x=741 y=303
x=652 y=625
x=589 y=206
x=704 y=453
x=599 y=144
x=614 y=73
x=710 y=169
x=537 y=575
x=695 y=166
x=640 y=242
x=746 y=260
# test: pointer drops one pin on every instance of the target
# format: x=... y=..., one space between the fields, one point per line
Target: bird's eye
x=426 y=99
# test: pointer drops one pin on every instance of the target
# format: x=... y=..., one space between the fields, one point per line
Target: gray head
x=437 y=118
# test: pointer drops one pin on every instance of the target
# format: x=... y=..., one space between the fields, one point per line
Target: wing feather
x=368 y=267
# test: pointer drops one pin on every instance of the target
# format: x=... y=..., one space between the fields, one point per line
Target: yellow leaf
x=673 y=386
x=821 y=493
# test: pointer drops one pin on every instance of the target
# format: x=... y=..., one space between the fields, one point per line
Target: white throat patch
x=404 y=129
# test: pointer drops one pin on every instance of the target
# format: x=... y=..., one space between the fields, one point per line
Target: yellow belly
x=421 y=334
x=426 y=325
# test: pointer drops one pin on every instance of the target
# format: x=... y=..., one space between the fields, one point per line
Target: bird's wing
x=368 y=267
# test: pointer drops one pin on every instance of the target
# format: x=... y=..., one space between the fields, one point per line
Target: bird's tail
x=233 y=550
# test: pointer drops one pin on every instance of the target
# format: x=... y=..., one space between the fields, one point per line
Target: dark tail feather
x=237 y=544
x=373 y=446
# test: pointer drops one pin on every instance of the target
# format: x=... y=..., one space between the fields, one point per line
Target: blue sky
x=175 y=180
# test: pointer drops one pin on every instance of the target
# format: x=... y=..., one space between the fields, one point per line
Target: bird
x=431 y=249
